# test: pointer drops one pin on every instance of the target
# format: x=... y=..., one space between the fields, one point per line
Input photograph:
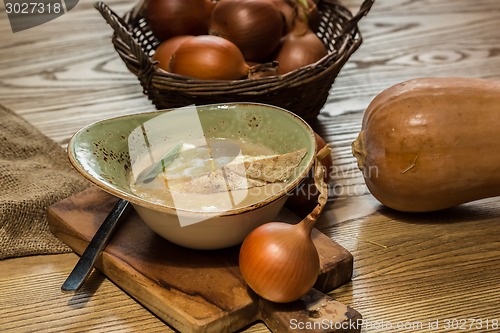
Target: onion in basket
x=301 y=46
x=169 y=18
x=166 y=49
x=209 y=58
x=297 y=51
x=254 y=26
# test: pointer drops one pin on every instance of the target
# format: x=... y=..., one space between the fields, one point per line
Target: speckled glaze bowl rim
x=136 y=200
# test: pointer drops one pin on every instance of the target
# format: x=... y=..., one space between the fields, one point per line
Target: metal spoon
x=84 y=266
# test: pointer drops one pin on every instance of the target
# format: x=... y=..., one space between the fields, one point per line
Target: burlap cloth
x=34 y=173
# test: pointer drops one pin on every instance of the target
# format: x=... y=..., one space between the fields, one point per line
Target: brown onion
x=209 y=58
x=279 y=261
x=209 y=7
x=169 y=18
x=297 y=51
x=289 y=12
x=166 y=49
x=255 y=26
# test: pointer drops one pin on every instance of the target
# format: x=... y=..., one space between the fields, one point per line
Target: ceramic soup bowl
x=117 y=154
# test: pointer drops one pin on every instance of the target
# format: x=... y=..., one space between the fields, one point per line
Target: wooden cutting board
x=194 y=290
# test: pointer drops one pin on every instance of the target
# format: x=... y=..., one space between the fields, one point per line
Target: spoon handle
x=84 y=266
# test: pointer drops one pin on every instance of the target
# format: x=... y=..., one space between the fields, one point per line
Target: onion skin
x=292 y=10
x=170 y=18
x=166 y=49
x=279 y=261
x=209 y=58
x=313 y=17
x=254 y=26
x=297 y=51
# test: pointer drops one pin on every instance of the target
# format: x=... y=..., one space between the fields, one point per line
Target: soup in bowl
x=202 y=177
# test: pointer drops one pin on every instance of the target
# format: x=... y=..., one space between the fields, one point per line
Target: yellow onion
x=279 y=261
x=166 y=49
x=299 y=50
x=209 y=7
x=209 y=58
x=254 y=26
x=169 y=18
x=288 y=11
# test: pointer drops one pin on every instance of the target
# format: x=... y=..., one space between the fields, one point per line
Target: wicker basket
x=303 y=91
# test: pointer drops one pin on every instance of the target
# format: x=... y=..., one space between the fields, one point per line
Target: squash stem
x=358 y=150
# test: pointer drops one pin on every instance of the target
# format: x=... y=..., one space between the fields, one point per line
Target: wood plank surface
x=418 y=270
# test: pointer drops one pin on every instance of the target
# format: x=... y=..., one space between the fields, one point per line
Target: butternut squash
x=432 y=143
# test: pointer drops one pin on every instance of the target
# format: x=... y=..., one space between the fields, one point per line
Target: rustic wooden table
x=410 y=270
